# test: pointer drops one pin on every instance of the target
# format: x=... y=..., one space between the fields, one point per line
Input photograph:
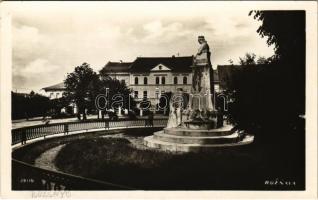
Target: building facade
x=148 y=77
x=55 y=91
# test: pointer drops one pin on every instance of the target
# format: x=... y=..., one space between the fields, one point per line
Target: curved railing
x=29 y=177
x=24 y=134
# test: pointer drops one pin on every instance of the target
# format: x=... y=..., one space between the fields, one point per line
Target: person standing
x=150 y=119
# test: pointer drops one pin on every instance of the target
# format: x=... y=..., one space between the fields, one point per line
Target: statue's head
x=201 y=39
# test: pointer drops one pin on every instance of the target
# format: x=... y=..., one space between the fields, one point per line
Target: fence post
x=65 y=129
x=23 y=137
x=107 y=124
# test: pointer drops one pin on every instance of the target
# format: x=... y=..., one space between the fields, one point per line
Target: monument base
x=196 y=140
x=200 y=125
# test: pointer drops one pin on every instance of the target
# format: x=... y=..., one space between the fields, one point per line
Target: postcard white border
x=311 y=113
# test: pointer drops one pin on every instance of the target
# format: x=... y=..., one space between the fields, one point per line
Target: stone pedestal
x=193 y=140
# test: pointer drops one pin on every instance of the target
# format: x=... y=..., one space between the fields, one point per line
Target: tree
x=118 y=92
x=285 y=30
x=81 y=87
x=270 y=94
x=269 y=97
x=249 y=59
x=29 y=105
x=262 y=60
x=58 y=104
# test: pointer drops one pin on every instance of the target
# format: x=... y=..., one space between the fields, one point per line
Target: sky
x=51 y=38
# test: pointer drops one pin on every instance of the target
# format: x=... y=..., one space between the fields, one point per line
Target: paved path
x=46 y=159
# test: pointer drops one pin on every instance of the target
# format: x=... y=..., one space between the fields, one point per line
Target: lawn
x=116 y=160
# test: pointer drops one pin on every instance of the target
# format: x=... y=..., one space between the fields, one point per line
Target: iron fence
x=21 y=135
x=29 y=177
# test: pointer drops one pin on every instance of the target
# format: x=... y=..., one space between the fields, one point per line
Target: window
x=145 y=80
x=157 y=94
x=136 y=80
x=145 y=94
x=136 y=94
x=160 y=67
x=163 y=92
x=163 y=80
x=51 y=95
x=185 y=80
x=57 y=95
x=157 y=80
x=175 y=80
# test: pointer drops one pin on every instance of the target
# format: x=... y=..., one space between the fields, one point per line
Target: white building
x=148 y=77
x=55 y=91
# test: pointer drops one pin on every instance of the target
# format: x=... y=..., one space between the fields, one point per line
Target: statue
x=200 y=109
x=202 y=80
x=201 y=106
x=203 y=55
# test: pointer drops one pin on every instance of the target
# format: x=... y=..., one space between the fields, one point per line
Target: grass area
x=115 y=160
x=32 y=150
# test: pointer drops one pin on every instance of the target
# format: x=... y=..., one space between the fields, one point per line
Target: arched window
x=163 y=80
x=185 y=80
x=136 y=80
x=157 y=80
x=175 y=80
x=145 y=80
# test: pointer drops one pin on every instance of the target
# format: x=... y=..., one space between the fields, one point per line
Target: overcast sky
x=51 y=38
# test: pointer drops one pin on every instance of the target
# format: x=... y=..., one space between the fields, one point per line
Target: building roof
x=59 y=86
x=176 y=64
x=145 y=64
x=112 y=67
